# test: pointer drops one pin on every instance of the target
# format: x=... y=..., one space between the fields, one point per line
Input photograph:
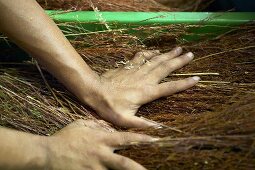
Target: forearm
x=20 y=150
x=26 y=23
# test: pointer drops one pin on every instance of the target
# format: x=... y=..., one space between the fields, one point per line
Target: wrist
x=39 y=160
x=97 y=97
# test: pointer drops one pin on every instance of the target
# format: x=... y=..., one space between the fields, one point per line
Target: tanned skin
x=116 y=96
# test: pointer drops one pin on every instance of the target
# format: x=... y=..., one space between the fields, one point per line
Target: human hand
x=82 y=145
x=126 y=89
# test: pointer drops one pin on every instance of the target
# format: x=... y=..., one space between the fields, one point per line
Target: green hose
x=212 y=24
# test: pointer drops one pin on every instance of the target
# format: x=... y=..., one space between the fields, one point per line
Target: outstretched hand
x=128 y=88
x=83 y=145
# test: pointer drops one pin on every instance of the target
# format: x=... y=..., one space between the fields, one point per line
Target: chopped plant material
x=186 y=5
x=126 y=5
x=104 y=5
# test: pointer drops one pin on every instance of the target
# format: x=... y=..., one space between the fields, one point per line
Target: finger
x=130 y=122
x=117 y=162
x=165 y=68
x=99 y=167
x=117 y=140
x=75 y=124
x=80 y=123
x=169 y=88
x=86 y=123
x=155 y=61
x=141 y=57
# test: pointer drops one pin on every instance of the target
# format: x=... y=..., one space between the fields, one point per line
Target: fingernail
x=190 y=55
x=156 y=52
x=178 y=49
x=153 y=125
x=196 y=78
x=155 y=139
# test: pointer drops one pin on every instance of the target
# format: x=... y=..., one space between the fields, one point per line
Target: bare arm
x=116 y=95
x=25 y=22
x=20 y=150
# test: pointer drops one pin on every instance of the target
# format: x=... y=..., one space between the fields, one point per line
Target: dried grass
x=127 y=5
x=186 y=5
x=104 y=5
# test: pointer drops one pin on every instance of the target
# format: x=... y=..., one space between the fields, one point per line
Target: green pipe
x=209 y=23
x=145 y=18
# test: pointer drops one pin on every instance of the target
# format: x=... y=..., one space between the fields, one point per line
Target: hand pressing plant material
x=116 y=96
x=199 y=129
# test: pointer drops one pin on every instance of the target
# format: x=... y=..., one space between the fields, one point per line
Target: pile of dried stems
x=104 y=5
x=186 y=5
x=127 y=5
x=211 y=126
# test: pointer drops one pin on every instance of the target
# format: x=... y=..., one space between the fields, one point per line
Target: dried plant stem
x=167 y=140
x=161 y=126
x=216 y=82
x=97 y=32
x=47 y=84
x=223 y=52
x=197 y=74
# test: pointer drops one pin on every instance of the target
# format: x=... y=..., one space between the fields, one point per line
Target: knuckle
x=160 y=58
x=156 y=51
x=136 y=136
x=172 y=54
x=151 y=91
x=138 y=54
x=159 y=93
x=124 y=137
x=97 y=152
x=153 y=52
x=90 y=123
x=166 y=57
x=124 y=162
x=142 y=53
x=93 y=152
x=127 y=135
x=101 y=152
x=165 y=64
x=80 y=122
x=179 y=62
